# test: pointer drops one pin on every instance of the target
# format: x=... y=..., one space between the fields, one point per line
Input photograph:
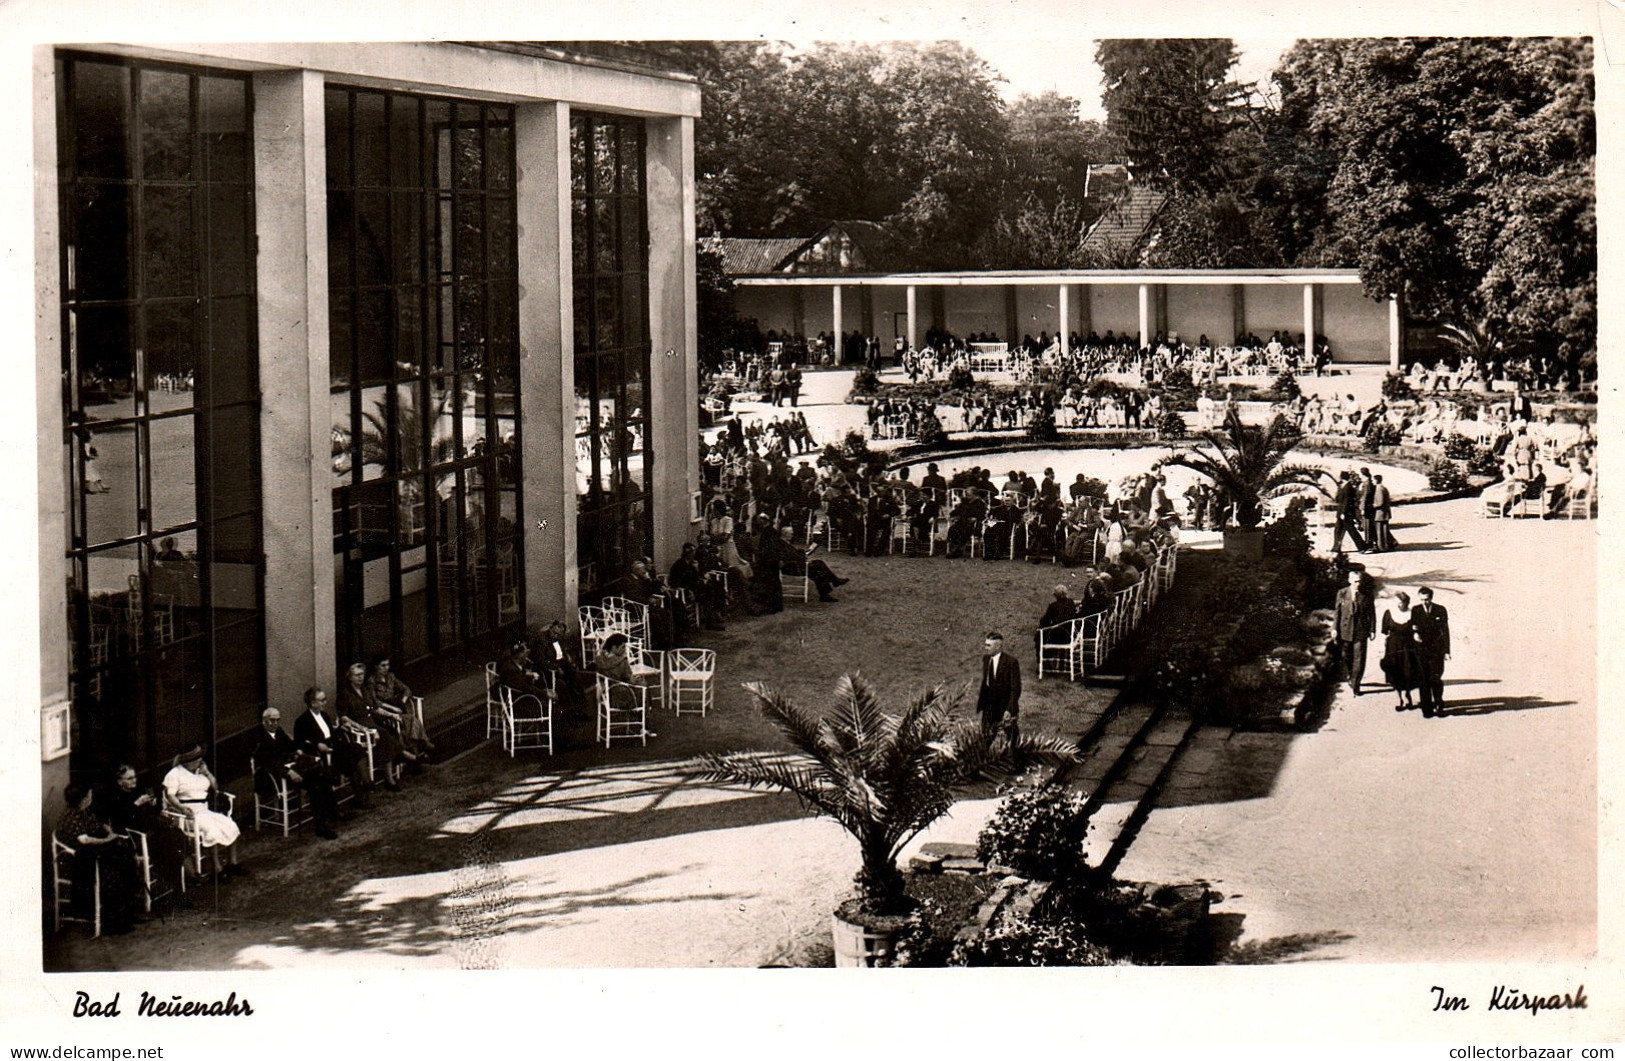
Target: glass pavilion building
x=343 y=350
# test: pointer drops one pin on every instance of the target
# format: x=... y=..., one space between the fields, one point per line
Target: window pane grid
x=439 y=435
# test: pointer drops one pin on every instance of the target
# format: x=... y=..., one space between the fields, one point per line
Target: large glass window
x=422 y=290
x=611 y=256
x=161 y=402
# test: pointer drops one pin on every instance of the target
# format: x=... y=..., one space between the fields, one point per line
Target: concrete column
x=296 y=420
x=673 y=392
x=1396 y=334
x=913 y=341
x=1309 y=317
x=547 y=406
x=835 y=314
x=1066 y=316
x=1238 y=313
x=49 y=473
x=1145 y=314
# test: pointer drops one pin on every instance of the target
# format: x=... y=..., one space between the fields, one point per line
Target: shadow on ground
x=1225 y=932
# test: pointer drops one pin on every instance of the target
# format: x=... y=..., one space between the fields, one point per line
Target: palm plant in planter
x=1248 y=465
x=883 y=777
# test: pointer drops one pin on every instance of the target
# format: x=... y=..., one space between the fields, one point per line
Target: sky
x=1067 y=66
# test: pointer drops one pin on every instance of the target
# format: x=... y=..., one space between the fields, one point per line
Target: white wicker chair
x=689 y=680
x=626 y=720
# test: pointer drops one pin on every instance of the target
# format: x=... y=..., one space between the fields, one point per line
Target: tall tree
x=1459 y=171
x=1171 y=105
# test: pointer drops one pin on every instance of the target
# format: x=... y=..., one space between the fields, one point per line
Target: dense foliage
x=1038 y=833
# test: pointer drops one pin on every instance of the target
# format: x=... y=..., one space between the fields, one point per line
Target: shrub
x=1042 y=426
x=1288 y=536
x=931 y=431
x=1285 y=387
x=1170 y=425
x=1395 y=387
x=1382 y=433
x=1483 y=462
x=1039 y=833
x=865 y=381
x=1093 y=487
x=1446 y=476
x=1458 y=447
x=960 y=378
x=1024 y=941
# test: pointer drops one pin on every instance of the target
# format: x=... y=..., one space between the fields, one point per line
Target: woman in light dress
x=186 y=792
x=721 y=530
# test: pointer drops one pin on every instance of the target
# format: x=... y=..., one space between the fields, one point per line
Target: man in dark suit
x=1356 y=624
x=1347 y=509
x=277 y=758
x=1432 y=624
x=998 y=700
x=318 y=733
x=934 y=481
x=550 y=652
x=1364 y=494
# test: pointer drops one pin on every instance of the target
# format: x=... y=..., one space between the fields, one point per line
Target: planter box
x=861 y=946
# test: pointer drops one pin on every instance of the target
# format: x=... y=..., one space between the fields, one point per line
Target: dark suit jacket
x=1000 y=694
x=308 y=734
x=1433 y=630
x=1059 y=611
x=273 y=752
x=1356 y=615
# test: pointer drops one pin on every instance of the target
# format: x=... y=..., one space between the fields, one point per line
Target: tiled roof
x=753 y=257
x=1124 y=225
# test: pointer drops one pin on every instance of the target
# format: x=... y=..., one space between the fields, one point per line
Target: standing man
x=1432 y=624
x=1356 y=624
x=792 y=384
x=1381 y=514
x=1364 y=494
x=998 y=700
x=1347 y=508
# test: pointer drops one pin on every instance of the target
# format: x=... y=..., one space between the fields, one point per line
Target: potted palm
x=883 y=778
x=1248 y=465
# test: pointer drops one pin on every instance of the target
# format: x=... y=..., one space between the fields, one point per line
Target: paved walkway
x=1390 y=837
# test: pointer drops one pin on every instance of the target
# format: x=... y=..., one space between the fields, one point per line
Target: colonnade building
x=343 y=351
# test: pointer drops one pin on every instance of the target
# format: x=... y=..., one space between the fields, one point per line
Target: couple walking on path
x=1416 y=642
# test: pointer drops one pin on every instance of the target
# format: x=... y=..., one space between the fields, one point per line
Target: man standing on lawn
x=998 y=700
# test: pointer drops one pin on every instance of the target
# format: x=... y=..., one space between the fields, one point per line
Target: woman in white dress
x=186 y=791
x=721 y=530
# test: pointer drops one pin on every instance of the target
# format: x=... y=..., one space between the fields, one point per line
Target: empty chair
x=634 y=621
x=689 y=674
x=527 y=721
x=648 y=667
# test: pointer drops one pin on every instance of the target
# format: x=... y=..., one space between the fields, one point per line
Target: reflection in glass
x=375 y=444
x=233 y=367
x=169 y=252
x=173 y=463
x=166 y=112
x=343 y=443
x=223 y=121
x=101 y=242
x=171 y=329
x=108 y=475
x=99 y=338
x=101 y=112
x=228 y=239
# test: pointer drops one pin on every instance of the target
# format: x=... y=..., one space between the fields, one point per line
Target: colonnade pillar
x=913 y=342
x=1145 y=314
x=1066 y=313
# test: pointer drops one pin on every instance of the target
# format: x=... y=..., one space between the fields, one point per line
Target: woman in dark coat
x=97 y=847
x=1401 y=659
x=129 y=807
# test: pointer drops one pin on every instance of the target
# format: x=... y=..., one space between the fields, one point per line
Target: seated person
x=613 y=663
x=357 y=706
x=186 y=792
x=712 y=598
x=277 y=758
x=792 y=560
x=515 y=670
x=1063 y=609
x=319 y=733
x=98 y=847
x=550 y=652
x=127 y=807
x=386 y=689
